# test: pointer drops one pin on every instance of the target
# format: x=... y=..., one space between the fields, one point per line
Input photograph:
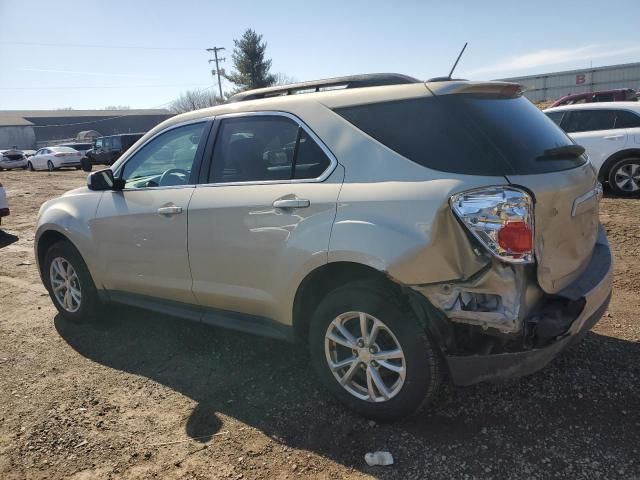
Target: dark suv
x=107 y=150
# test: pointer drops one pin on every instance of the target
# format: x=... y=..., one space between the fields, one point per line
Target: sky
x=144 y=53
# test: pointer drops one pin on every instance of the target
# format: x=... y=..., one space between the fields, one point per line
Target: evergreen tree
x=252 y=70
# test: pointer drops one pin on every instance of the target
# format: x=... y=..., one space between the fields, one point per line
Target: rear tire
x=69 y=283
x=624 y=177
x=50 y=166
x=400 y=357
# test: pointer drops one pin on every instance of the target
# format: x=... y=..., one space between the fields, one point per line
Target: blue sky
x=143 y=53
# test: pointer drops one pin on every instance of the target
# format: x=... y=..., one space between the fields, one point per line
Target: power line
x=75 y=45
x=105 y=119
x=99 y=86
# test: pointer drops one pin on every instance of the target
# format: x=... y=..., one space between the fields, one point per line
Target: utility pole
x=215 y=51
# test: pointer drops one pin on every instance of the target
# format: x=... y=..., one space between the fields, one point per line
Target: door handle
x=169 y=210
x=291 y=203
x=613 y=137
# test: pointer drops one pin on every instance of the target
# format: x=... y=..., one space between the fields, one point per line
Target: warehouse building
x=32 y=129
x=551 y=86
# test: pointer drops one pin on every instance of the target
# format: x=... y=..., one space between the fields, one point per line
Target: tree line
x=251 y=70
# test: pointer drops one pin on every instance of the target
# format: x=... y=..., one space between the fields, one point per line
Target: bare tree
x=194 y=100
x=284 y=79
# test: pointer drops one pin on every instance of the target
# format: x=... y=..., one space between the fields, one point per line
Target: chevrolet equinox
x=411 y=233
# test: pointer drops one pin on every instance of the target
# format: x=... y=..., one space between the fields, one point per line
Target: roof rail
x=352 y=81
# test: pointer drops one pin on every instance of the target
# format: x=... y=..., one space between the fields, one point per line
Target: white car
x=610 y=132
x=4 y=205
x=12 y=158
x=51 y=158
x=83 y=148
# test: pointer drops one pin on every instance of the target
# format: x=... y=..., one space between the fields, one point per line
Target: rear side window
x=468 y=134
x=264 y=148
x=626 y=119
x=590 y=120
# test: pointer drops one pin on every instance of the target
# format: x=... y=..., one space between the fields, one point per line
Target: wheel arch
x=326 y=278
x=603 y=174
x=45 y=240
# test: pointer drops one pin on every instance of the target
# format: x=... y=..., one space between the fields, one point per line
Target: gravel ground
x=142 y=395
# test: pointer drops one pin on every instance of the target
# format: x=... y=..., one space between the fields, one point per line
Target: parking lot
x=143 y=395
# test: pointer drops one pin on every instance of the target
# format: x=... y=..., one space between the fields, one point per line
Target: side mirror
x=104 y=180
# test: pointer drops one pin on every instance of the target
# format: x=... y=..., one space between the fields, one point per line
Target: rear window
x=468 y=134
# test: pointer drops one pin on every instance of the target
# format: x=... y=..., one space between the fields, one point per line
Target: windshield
x=469 y=134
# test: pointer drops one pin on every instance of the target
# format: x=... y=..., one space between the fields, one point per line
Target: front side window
x=590 y=120
x=99 y=144
x=265 y=148
x=556 y=117
x=165 y=160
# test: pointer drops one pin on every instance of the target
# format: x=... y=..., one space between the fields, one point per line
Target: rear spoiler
x=495 y=89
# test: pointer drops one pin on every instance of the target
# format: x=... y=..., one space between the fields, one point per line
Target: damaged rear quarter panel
x=394 y=216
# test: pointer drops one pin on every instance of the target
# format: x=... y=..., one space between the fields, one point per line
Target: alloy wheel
x=65 y=284
x=627 y=177
x=365 y=357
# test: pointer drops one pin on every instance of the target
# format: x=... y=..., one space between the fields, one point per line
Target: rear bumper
x=594 y=286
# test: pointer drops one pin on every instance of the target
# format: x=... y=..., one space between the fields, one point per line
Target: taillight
x=501 y=218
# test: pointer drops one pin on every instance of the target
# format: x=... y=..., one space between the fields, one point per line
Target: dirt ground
x=146 y=396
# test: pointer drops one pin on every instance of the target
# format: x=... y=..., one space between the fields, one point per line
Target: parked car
x=83 y=148
x=611 y=134
x=107 y=150
x=4 y=205
x=12 y=158
x=52 y=158
x=616 y=95
x=405 y=231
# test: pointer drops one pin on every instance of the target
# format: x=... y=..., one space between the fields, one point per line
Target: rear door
x=263 y=216
x=597 y=132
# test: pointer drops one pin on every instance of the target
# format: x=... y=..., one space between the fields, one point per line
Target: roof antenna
x=457 y=60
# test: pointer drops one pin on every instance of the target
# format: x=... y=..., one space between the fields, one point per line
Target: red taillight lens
x=516 y=237
x=501 y=218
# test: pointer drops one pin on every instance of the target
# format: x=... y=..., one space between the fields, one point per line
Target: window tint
x=470 y=134
x=99 y=143
x=556 y=117
x=626 y=119
x=165 y=160
x=604 y=97
x=107 y=143
x=263 y=148
x=590 y=120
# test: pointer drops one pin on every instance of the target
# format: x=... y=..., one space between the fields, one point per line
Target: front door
x=264 y=215
x=142 y=229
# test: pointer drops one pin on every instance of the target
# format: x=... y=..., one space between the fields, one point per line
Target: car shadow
x=7 y=238
x=590 y=392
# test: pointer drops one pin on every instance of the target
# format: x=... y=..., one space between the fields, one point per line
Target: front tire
x=624 y=177
x=69 y=283
x=30 y=167
x=370 y=351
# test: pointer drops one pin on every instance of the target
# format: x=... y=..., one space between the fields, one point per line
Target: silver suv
x=411 y=233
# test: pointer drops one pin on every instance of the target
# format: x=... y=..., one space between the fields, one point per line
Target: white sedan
x=4 y=206
x=51 y=158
